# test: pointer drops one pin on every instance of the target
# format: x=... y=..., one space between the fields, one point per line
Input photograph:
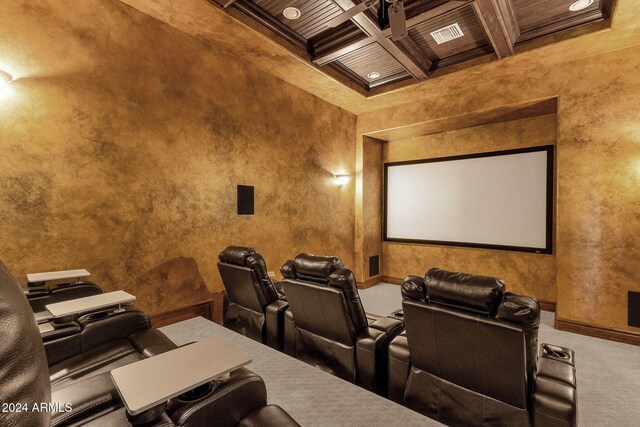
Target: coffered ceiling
x=442 y=34
x=231 y=31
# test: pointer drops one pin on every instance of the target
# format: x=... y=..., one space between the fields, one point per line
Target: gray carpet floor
x=311 y=396
x=608 y=372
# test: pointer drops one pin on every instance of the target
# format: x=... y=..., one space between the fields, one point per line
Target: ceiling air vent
x=447 y=33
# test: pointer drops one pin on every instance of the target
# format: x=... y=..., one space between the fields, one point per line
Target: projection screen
x=501 y=200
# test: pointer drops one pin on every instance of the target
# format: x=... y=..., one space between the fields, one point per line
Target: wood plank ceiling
x=364 y=53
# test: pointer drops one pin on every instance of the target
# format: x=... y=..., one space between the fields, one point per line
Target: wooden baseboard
x=203 y=308
x=370 y=282
x=547 y=305
x=613 y=334
x=218 y=307
x=392 y=280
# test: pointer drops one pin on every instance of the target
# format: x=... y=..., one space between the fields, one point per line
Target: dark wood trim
x=558 y=26
x=218 y=307
x=371 y=281
x=228 y=3
x=390 y=79
x=607 y=7
x=500 y=24
x=323 y=55
x=411 y=48
x=431 y=13
x=548 y=249
x=253 y=11
x=346 y=72
x=547 y=305
x=464 y=56
x=412 y=64
x=202 y=308
x=392 y=280
x=607 y=333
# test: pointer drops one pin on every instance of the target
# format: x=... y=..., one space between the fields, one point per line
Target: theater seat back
x=478 y=353
x=241 y=286
x=471 y=349
x=321 y=310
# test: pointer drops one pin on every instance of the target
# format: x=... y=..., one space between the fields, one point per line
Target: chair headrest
x=481 y=294
x=413 y=288
x=520 y=309
x=344 y=279
x=236 y=255
x=288 y=270
x=316 y=268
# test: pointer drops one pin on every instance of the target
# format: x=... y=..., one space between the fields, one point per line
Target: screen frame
x=548 y=249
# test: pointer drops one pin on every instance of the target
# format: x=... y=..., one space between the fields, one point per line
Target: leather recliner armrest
x=100 y=328
x=151 y=342
x=371 y=360
x=274 y=319
x=278 y=285
x=289 y=333
x=555 y=396
x=234 y=397
x=399 y=366
x=389 y=326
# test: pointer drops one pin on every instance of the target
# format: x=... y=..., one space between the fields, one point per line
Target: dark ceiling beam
x=324 y=56
x=228 y=3
x=418 y=66
x=499 y=23
x=443 y=8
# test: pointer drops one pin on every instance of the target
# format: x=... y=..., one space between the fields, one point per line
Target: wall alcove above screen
x=499 y=200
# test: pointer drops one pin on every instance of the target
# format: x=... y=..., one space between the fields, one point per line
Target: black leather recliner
x=326 y=325
x=237 y=400
x=255 y=308
x=470 y=357
x=39 y=297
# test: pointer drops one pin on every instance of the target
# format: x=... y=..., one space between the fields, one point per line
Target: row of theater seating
x=68 y=367
x=466 y=353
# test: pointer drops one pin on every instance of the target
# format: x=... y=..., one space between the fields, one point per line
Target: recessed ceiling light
x=373 y=75
x=5 y=79
x=580 y=5
x=291 y=12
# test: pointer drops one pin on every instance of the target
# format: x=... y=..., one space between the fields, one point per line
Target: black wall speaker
x=634 y=309
x=374 y=265
x=245 y=200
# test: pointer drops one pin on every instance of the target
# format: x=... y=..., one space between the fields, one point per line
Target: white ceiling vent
x=447 y=33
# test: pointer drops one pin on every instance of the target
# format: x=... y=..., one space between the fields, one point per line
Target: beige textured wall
x=123 y=141
x=530 y=274
x=598 y=153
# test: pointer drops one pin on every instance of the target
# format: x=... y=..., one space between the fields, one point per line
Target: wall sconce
x=341 y=180
x=5 y=79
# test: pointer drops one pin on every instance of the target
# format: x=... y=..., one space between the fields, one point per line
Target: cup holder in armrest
x=398 y=314
x=553 y=351
x=197 y=393
x=95 y=316
x=558 y=353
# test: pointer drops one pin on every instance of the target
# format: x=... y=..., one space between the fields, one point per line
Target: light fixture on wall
x=341 y=179
x=5 y=79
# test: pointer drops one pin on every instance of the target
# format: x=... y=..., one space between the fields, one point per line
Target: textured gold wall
x=530 y=274
x=123 y=141
x=598 y=177
x=368 y=237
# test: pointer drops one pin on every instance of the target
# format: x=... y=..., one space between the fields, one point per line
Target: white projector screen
x=500 y=200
